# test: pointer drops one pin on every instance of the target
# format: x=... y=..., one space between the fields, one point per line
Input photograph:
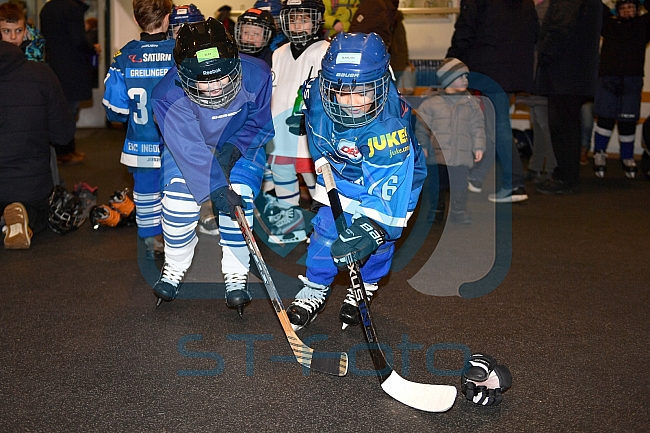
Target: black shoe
x=533 y=176
x=556 y=187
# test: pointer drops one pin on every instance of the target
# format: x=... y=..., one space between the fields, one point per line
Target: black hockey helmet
x=207 y=59
x=294 y=11
x=66 y=211
x=254 y=30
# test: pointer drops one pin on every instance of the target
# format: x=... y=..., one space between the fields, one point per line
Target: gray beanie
x=450 y=69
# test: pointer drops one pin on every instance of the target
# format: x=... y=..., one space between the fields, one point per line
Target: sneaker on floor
x=209 y=225
x=600 y=164
x=18 y=235
x=629 y=165
x=556 y=187
x=460 y=217
x=533 y=176
x=73 y=157
x=473 y=186
x=509 y=195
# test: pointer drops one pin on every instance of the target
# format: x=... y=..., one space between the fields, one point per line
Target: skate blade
x=214 y=232
x=289 y=238
x=343 y=326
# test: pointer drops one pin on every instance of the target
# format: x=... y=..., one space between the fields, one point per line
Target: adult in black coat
x=567 y=73
x=68 y=53
x=496 y=38
x=34 y=114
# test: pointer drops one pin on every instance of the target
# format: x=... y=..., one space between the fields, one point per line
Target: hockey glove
x=484 y=381
x=357 y=242
x=224 y=200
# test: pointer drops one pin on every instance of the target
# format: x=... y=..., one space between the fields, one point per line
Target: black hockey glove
x=356 y=243
x=484 y=381
x=224 y=200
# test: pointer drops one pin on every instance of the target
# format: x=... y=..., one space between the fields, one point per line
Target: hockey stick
x=422 y=396
x=334 y=363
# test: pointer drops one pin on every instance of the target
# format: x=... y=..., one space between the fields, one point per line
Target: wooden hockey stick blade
x=334 y=363
x=422 y=396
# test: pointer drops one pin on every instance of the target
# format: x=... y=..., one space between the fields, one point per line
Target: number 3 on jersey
x=141 y=117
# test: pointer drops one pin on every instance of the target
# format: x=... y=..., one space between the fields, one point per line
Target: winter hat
x=450 y=69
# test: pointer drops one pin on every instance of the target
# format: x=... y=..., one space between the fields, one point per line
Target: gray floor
x=83 y=349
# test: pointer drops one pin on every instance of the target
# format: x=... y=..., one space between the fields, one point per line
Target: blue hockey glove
x=360 y=240
x=224 y=200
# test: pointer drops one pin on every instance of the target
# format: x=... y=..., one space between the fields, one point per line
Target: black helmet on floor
x=66 y=212
x=207 y=59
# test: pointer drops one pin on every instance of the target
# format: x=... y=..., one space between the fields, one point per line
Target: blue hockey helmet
x=301 y=20
x=183 y=15
x=354 y=78
x=254 y=30
x=207 y=59
x=274 y=7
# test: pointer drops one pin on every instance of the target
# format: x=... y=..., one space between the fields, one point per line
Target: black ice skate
x=349 y=313
x=629 y=166
x=600 y=164
x=237 y=293
x=310 y=301
x=166 y=288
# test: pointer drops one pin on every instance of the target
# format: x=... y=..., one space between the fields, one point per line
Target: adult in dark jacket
x=68 y=54
x=375 y=16
x=567 y=73
x=496 y=38
x=34 y=114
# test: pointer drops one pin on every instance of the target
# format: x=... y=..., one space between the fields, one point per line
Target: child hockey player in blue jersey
x=135 y=70
x=213 y=109
x=254 y=31
x=293 y=63
x=358 y=123
x=183 y=14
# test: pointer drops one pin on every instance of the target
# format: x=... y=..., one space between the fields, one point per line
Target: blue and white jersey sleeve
x=192 y=133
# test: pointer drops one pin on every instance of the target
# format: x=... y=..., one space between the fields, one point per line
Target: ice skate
x=600 y=164
x=237 y=293
x=286 y=222
x=310 y=301
x=208 y=224
x=167 y=286
x=629 y=165
x=155 y=247
x=349 y=312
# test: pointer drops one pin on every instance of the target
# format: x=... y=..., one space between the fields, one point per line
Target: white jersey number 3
x=141 y=117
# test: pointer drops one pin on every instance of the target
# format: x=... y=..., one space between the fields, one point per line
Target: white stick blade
x=421 y=396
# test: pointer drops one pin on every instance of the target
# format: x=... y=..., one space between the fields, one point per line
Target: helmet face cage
x=65 y=211
x=300 y=24
x=355 y=104
x=253 y=31
x=214 y=92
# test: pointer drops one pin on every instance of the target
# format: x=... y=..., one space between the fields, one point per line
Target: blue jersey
x=135 y=71
x=192 y=133
x=379 y=168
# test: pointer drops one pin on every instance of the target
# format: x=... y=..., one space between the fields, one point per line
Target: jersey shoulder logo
x=348 y=149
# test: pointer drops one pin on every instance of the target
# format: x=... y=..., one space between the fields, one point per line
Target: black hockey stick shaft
x=334 y=363
x=382 y=367
x=422 y=396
